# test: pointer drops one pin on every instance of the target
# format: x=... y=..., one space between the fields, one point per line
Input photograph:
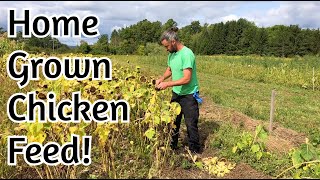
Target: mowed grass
x=296 y=108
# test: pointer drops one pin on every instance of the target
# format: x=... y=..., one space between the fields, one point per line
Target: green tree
x=84 y=47
x=115 y=40
x=127 y=47
x=314 y=44
x=188 y=31
x=141 y=50
x=232 y=38
x=295 y=40
x=2 y=30
x=279 y=42
x=202 y=47
x=260 y=42
x=152 y=49
x=217 y=39
x=101 y=46
x=247 y=42
x=168 y=24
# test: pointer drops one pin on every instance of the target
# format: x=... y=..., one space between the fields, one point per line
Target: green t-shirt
x=179 y=61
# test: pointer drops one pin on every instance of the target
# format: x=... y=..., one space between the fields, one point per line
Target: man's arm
x=165 y=76
x=187 y=73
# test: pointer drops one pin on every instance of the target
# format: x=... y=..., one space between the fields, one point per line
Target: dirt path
x=281 y=140
x=241 y=171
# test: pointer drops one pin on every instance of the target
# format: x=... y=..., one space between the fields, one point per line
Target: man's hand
x=163 y=85
x=166 y=75
x=158 y=81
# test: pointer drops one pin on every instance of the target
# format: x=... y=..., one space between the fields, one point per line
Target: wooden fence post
x=313 y=79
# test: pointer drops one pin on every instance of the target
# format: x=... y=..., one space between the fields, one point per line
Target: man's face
x=171 y=46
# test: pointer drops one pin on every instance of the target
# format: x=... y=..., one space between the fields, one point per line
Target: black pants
x=190 y=110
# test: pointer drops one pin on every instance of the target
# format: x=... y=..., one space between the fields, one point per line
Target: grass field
x=245 y=84
x=296 y=107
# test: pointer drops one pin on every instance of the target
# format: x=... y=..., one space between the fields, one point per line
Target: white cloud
x=115 y=28
x=230 y=18
x=304 y=14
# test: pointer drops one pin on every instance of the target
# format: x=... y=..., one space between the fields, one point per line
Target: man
x=182 y=67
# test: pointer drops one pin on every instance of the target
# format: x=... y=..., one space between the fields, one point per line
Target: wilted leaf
x=20 y=127
x=41 y=96
x=41 y=137
x=73 y=129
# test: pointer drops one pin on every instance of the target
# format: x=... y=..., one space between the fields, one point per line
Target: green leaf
x=166 y=118
x=73 y=129
x=47 y=126
x=308 y=152
x=263 y=135
x=199 y=165
x=156 y=120
x=186 y=164
x=317 y=169
x=306 y=155
x=83 y=125
x=33 y=129
x=150 y=133
x=297 y=175
x=234 y=149
x=240 y=146
x=247 y=139
x=92 y=176
x=296 y=159
x=177 y=108
x=258 y=129
x=39 y=127
x=259 y=155
x=255 y=148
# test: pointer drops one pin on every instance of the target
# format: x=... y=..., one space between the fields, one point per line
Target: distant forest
x=240 y=37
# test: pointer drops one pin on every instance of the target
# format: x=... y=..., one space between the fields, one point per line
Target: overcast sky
x=115 y=15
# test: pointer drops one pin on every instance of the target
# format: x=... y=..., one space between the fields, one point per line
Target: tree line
x=236 y=37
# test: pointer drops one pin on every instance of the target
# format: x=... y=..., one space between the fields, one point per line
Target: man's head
x=170 y=39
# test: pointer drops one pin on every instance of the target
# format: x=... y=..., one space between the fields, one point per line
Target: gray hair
x=170 y=34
